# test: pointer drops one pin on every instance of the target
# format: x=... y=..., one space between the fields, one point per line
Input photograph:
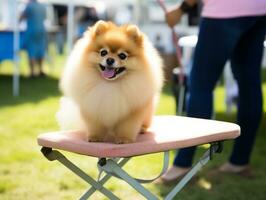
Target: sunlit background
x=28 y=105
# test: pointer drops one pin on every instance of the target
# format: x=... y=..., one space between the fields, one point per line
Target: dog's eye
x=122 y=56
x=103 y=52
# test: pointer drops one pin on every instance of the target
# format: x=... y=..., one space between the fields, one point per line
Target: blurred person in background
x=60 y=37
x=35 y=36
x=229 y=30
x=87 y=16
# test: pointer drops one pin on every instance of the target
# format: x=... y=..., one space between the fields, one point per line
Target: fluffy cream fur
x=119 y=108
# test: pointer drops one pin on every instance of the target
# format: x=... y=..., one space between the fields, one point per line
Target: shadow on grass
x=36 y=89
x=263 y=75
x=167 y=89
x=31 y=89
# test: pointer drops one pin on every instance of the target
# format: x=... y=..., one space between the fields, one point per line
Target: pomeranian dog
x=113 y=77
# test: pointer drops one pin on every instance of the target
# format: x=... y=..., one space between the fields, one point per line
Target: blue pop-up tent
x=10 y=39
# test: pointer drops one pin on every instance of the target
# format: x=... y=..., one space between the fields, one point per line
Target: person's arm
x=22 y=17
x=174 y=15
x=24 y=13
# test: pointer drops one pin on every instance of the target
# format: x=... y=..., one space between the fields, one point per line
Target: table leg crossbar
x=113 y=167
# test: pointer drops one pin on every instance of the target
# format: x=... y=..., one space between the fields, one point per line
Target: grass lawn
x=26 y=175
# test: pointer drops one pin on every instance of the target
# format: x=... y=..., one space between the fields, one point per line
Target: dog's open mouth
x=110 y=73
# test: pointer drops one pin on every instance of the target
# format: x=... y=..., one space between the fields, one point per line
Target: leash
x=177 y=47
x=179 y=59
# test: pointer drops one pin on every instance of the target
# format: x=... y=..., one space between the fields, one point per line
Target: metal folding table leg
x=89 y=192
x=112 y=168
x=214 y=148
x=56 y=155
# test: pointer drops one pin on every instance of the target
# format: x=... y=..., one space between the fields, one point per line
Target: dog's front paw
x=123 y=140
x=143 y=129
x=94 y=139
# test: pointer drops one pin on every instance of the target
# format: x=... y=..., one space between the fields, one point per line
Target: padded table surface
x=166 y=133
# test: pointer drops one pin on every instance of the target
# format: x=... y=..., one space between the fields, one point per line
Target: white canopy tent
x=16 y=50
x=11 y=23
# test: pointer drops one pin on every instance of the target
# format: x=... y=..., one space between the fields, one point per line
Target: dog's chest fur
x=109 y=103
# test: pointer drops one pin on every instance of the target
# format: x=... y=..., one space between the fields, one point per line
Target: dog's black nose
x=110 y=61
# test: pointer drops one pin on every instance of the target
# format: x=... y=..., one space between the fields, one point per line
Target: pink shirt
x=233 y=8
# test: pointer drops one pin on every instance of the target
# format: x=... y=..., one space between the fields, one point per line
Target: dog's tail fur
x=68 y=115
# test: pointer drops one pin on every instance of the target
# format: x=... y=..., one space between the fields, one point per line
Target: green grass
x=26 y=174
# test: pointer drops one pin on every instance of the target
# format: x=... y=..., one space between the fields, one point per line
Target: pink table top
x=166 y=133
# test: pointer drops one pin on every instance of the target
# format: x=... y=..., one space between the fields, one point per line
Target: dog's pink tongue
x=108 y=73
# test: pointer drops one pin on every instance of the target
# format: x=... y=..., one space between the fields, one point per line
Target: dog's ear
x=99 y=28
x=134 y=33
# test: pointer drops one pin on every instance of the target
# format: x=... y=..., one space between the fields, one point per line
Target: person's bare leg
x=32 y=63
x=40 y=65
x=173 y=174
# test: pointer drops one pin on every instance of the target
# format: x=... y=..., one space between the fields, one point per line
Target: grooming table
x=166 y=133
